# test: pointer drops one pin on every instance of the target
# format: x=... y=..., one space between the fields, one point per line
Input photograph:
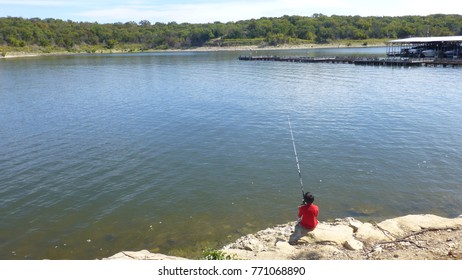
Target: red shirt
x=308 y=214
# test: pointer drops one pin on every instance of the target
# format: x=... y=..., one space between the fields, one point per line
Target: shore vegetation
x=35 y=35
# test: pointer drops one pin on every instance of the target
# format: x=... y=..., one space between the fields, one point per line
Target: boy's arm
x=300 y=214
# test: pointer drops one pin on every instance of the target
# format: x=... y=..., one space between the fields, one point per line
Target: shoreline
x=289 y=47
x=23 y=54
x=410 y=237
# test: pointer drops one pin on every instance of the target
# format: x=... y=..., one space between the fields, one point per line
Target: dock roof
x=428 y=39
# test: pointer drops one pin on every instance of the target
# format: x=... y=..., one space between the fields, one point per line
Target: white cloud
x=224 y=11
x=49 y=3
x=202 y=12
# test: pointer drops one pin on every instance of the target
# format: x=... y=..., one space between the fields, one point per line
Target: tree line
x=18 y=32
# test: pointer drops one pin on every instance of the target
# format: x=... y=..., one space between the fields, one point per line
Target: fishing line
x=296 y=157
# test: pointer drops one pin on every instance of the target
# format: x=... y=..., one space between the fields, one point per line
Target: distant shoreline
x=288 y=47
x=23 y=54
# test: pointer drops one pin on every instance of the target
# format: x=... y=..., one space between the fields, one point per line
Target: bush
x=111 y=43
x=211 y=254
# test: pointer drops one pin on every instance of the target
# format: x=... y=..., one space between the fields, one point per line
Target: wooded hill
x=318 y=28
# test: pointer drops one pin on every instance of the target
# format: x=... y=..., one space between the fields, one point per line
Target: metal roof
x=428 y=39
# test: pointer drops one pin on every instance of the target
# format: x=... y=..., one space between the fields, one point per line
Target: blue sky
x=204 y=11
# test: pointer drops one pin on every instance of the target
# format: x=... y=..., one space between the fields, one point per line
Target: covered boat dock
x=447 y=47
x=419 y=51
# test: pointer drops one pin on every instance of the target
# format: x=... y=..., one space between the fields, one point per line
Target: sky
x=205 y=11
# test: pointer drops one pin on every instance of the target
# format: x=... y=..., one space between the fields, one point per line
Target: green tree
x=111 y=43
x=277 y=39
x=49 y=33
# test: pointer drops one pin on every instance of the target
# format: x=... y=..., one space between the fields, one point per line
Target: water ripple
x=151 y=150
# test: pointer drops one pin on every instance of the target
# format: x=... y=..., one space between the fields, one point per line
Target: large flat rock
x=141 y=255
x=402 y=226
x=337 y=234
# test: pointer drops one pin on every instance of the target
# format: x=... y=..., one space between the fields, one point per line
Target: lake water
x=182 y=151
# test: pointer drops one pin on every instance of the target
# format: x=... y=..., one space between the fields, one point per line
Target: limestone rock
x=141 y=255
x=329 y=233
x=249 y=243
x=271 y=255
x=411 y=223
x=355 y=224
x=330 y=250
x=367 y=232
x=353 y=245
x=393 y=227
x=285 y=247
x=240 y=253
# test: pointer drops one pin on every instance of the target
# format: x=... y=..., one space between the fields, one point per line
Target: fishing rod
x=296 y=157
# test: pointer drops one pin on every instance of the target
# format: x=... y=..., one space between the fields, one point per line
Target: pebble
x=378 y=250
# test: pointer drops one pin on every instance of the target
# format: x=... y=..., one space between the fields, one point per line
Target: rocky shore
x=411 y=237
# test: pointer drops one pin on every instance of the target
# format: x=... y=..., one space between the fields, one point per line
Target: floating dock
x=396 y=62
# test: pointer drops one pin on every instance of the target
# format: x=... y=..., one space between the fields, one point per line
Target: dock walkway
x=396 y=62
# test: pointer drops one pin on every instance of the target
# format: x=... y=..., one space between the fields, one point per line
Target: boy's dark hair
x=308 y=198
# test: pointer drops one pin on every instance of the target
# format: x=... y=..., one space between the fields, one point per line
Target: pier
x=395 y=62
x=419 y=51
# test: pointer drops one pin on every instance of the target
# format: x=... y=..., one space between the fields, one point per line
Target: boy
x=307 y=218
